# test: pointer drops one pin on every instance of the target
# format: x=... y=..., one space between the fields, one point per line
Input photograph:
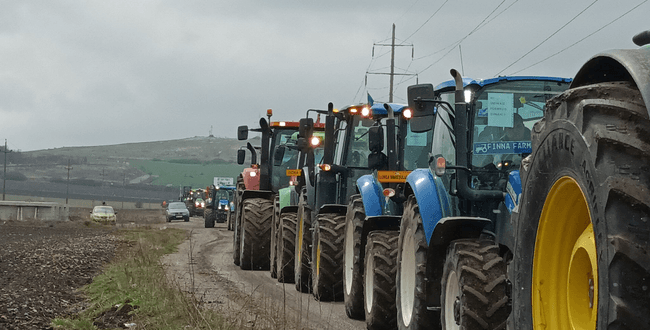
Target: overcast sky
x=82 y=73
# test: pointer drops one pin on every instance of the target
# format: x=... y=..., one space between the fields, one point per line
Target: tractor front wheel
x=581 y=258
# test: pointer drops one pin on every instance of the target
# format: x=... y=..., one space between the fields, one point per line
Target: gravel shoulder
x=203 y=266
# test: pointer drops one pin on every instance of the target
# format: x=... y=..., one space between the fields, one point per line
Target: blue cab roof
x=378 y=108
x=451 y=84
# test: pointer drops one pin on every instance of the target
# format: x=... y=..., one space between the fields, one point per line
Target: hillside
x=191 y=161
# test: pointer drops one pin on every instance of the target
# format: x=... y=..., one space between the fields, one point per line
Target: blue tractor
x=373 y=217
x=218 y=206
x=456 y=235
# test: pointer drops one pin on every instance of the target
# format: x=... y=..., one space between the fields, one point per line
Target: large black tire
x=236 y=242
x=379 y=274
x=585 y=187
x=353 y=258
x=474 y=289
x=207 y=217
x=327 y=256
x=302 y=252
x=411 y=288
x=275 y=223
x=256 y=234
x=286 y=247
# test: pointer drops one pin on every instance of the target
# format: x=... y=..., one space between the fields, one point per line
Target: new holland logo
x=392 y=176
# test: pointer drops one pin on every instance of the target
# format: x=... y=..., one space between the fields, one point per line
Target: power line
x=549 y=37
x=465 y=37
x=581 y=40
x=427 y=21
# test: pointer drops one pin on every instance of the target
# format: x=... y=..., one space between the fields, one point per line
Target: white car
x=103 y=214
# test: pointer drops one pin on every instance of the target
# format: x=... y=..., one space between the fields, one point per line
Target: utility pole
x=4 y=176
x=67 y=183
x=392 y=73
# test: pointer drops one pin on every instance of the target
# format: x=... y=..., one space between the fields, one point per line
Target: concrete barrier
x=47 y=211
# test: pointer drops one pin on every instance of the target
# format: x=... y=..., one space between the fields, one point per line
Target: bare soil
x=43 y=264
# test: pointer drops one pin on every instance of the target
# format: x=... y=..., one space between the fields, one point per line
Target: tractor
x=291 y=158
x=455 y=235
x=323 y=201
x=582 y=224
x=217 y=208
x=252 y=227
x=373 y=217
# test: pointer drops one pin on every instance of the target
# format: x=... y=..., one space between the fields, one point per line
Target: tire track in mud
x=203 y=266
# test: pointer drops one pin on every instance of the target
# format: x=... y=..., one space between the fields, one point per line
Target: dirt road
x=204 y=266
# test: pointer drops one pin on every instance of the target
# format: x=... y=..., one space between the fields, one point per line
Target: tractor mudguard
x=285 y=197
x=381 y=222
x=333 y=208
x=513 y=190
x=453 y=228
x=618 y=65
x=251 y=178
x=432 y=198
x=266 y=194
x=370 y=190
x=289 y=209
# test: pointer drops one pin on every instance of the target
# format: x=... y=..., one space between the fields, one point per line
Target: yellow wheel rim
x=318 y=259
x=565 y=273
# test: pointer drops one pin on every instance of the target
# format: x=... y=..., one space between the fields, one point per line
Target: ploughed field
x=42 y=264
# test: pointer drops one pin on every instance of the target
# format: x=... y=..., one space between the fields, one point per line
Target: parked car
x=177 y=210
x=103 y=214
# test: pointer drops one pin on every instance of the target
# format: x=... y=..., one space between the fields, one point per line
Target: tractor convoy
x=516 y=202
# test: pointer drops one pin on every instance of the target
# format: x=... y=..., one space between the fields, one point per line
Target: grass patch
x=187 y=172
x=136 y=279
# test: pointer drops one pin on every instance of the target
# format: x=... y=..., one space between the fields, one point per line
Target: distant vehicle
x=177 y=210
x=103 y=214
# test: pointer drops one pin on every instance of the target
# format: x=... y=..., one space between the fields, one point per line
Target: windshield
x=417 y=147
x=103 y=209
x=177 y=206
x=289 y=160
x=358 y=151
x=504 y=114
x=222 y=194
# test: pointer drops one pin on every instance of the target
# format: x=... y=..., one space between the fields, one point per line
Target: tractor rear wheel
x=256 y=234
x=286 y=248
x=207 y=216
x=379 y=274
x=353 y=259
x=327 y=257
x=236 y=246
x=474 y=288
x=302 y=255
x=582 y=255
x=275 y=233
x=412 y=253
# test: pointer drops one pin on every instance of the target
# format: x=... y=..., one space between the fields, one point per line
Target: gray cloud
x=94 y=72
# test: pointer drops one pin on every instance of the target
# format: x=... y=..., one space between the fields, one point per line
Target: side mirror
x=306 y=127
x=242 y=133
x=419 y=99
x=241 y=156
x=302 y=144
x=376 y=138
x=279 y=154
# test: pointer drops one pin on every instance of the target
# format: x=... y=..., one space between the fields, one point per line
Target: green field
x=177 y=174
